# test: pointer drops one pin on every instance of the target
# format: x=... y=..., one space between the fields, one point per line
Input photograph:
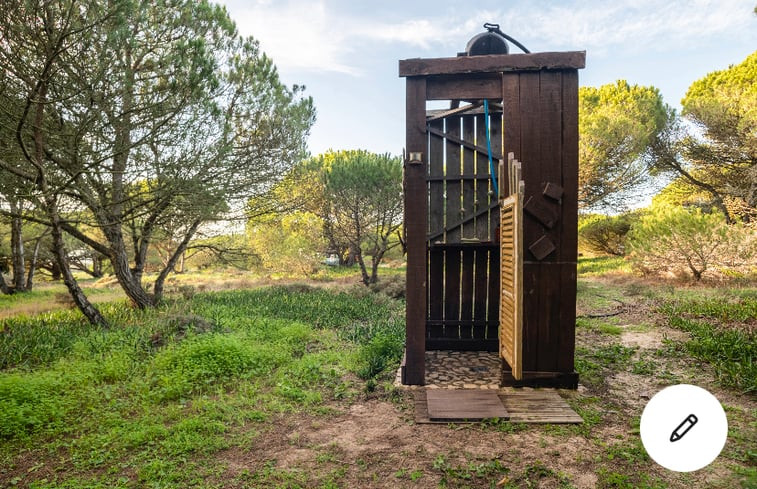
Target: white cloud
x=632 y=25
x=299 y=35
x=306 y=35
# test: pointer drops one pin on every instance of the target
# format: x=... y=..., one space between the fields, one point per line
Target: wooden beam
x=464 y=87
x=493 y=63
x=415 y=196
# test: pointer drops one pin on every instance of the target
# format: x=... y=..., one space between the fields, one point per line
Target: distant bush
x=392 y=286
x=682 y=240
x=605 y=234
x=292 y=244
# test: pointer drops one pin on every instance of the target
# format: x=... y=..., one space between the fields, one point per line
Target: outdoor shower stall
x=468 y=267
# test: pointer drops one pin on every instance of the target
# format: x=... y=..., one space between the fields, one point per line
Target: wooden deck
x=464 y=405
x=442 y=406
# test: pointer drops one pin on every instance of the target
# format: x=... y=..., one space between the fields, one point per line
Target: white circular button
x=683 y=428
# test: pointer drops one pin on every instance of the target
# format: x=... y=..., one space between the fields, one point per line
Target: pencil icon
x=684 y=427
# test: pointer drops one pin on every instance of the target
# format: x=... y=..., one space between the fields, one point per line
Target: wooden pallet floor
x=538 y=406
x=520 y=406
x=464 y=404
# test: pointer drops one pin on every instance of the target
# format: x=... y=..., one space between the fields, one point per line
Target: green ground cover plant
x=218 y=389
x=722 y=332
x=161 y=389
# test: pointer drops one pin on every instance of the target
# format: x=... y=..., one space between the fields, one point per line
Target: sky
x=346 y=53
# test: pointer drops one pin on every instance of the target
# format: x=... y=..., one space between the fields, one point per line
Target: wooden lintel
x=474 y=86
x=492 y=63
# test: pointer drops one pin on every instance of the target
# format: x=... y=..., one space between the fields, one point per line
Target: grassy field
x=290 y=385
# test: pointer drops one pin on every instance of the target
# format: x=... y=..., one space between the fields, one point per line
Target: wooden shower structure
x=459 y=247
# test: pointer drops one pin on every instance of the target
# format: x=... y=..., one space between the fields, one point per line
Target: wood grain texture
x=465 y=87
x=464 y=404
x=492 y=63
x=538 y=406
x=416 y=216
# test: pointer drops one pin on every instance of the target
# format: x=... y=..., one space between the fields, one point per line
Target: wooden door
x=511 y=266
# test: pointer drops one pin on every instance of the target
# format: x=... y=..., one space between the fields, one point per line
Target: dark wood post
x=416 y=160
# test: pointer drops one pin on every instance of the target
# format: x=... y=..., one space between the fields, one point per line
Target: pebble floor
x=460 y=370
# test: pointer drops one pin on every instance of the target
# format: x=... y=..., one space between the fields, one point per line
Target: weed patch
x=731 y=352
x=594 y=364
x=194 y=365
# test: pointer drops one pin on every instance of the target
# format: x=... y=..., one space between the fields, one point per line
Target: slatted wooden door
x=463 y=217
x=511 y=266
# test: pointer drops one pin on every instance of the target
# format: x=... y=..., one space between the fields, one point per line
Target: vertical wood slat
x=454 y=188
x=436 y=187
x=492 y=313
x=550 y=110
x=511 y=114
x=435 y=224
x=436 y=291
x=532 y=151
x=416 y=211
x=466 y=293
x=550 y=137
x=569 y=218
x=482 y=185
x=481 y=288
x=495 y=120
x=469 y=167
x=530 y=146
x=452 y=292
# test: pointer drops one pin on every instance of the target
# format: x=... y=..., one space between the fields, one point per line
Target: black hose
x=495 y=28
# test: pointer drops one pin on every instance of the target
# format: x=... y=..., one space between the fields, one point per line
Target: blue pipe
x=489 y=147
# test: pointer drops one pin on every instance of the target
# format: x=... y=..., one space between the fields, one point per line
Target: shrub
x=28 y=402
x=605 y=234
x=196 y=364
x=34 y=401
x=677 y=239
x=380 y=352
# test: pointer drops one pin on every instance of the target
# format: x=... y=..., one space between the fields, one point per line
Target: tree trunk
x=4 y=286
x=129 y=281
x=55 y=270
x=158 y=288
x=33 y=263
x=375 y=260
x=363 y=271
x=17 y=248
x=97 y=265
x=80 y=299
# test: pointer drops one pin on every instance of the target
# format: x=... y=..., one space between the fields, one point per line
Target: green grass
x=729 y=348
x=149 y=401
x=601 y=265
x=594 y=364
